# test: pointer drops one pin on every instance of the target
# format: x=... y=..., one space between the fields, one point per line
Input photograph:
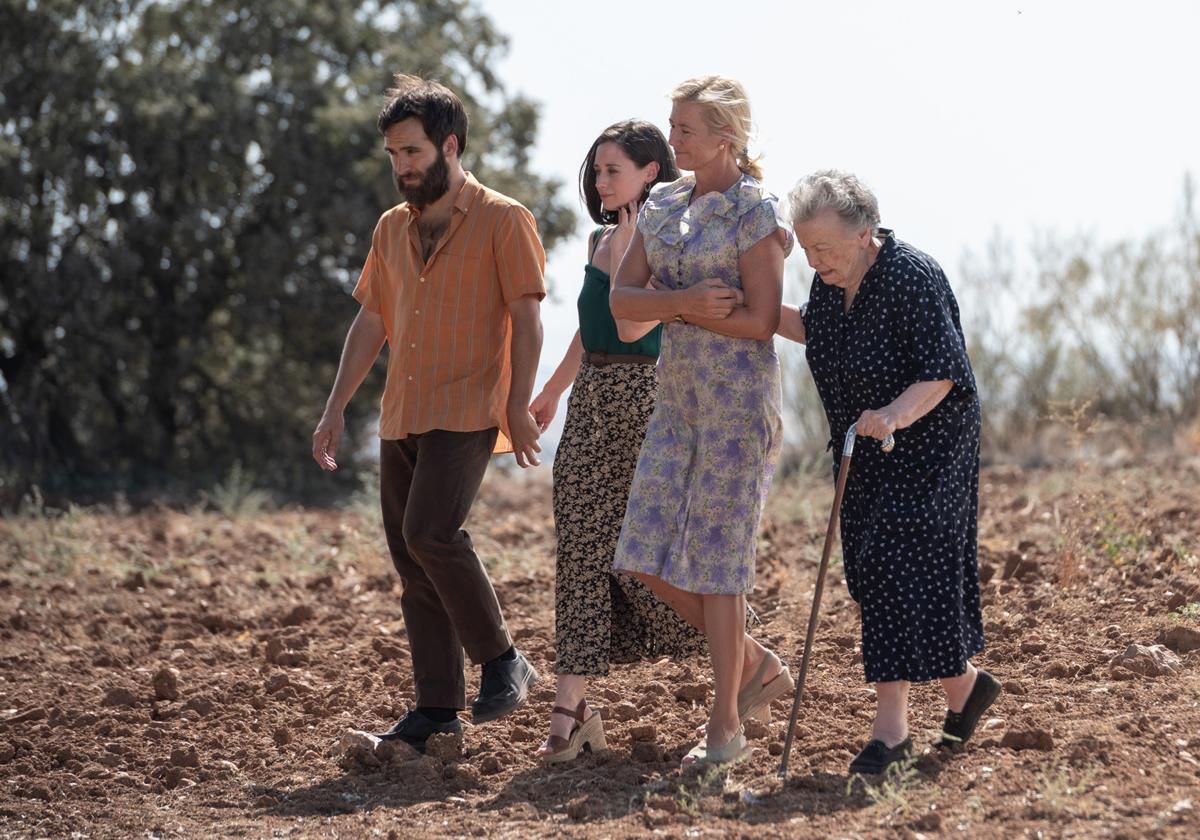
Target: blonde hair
x=726 y=109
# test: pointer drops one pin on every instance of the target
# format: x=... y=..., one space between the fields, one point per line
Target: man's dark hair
x=643 y=143
x=440 y=111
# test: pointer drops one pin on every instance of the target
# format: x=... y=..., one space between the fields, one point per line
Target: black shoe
x=414 y=729
x=876 y=756
x=960 y=726
x=503 y=687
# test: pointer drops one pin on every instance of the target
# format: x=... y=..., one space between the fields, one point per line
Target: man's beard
x=433 y=184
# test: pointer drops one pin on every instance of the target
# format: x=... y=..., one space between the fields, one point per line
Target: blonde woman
x=710 y=240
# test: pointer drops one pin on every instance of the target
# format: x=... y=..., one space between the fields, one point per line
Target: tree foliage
x=1090 y=335
x=187 y=190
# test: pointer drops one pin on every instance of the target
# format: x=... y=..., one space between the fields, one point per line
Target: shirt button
x=416 y=311
x=422 y=279
x=410 y=379
x=414 y=346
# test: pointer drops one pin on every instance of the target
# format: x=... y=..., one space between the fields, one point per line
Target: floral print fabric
x=714 y=438
x=601 y=617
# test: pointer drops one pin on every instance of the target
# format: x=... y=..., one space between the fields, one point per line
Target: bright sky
x=964 y=117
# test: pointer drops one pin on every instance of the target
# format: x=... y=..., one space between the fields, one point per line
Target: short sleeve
x=651 y=214
x=759 y=222
x=366 y=290
x=934 y=335
x=520 y=258
x=369 y=289
x=641 y=217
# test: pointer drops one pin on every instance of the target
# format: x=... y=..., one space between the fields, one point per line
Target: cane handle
x=888 y=444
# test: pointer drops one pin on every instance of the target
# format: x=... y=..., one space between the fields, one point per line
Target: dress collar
x=672 y=220
x=887 y=250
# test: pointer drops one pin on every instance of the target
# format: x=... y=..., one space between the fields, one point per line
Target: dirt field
x=170 y=674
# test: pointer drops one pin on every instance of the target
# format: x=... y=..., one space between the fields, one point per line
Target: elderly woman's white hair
x=841 y=192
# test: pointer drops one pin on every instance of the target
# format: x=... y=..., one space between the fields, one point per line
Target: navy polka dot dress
x=909 y=517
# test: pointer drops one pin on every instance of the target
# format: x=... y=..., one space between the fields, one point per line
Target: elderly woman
x=709 y=240
x=884 y=344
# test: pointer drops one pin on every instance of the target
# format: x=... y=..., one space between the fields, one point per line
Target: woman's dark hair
x=440 y=111
x=643 y=143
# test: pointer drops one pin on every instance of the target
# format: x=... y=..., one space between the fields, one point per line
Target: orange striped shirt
x=447 y=321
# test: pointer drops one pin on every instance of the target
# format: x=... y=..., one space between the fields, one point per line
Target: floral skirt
x=602 y=617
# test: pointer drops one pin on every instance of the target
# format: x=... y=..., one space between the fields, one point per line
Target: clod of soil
x=643 y=732
x=1180 y=638
x=119 y=696
x=1028 y=738
x=694 y=692
x=624 y=711
x=166 y=683
x=445 y=747
x=298 y=614
x=356 y=750
x=646 y=752
x=1147 y=661
x=279 y=651
x=185 y=757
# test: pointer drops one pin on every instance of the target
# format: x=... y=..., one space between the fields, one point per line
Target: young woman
x=601 y=618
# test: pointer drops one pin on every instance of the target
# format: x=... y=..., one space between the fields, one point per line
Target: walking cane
x=843 y=472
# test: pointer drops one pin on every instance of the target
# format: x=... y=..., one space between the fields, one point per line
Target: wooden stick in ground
x=840 y=488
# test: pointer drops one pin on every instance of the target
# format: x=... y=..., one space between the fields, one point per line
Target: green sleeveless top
x=597 y=328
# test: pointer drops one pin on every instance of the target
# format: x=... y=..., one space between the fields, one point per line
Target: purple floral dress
x=713 y=440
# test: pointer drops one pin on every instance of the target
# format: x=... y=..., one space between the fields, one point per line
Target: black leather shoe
x=960 y=726
x=876 y=756
x=503 y=687
x=414 y=729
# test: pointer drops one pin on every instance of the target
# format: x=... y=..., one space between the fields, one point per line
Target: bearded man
x=453 y=282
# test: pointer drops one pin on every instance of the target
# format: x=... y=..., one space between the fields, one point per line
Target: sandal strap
x=756 y=681
x=558 y=743
x=577 y=714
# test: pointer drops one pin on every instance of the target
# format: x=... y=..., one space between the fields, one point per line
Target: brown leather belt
x=600 y=359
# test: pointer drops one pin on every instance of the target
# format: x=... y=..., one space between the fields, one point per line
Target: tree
x=187 y=191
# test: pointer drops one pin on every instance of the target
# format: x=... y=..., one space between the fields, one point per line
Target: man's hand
x=327 y=438
x=523 y=432
x=710 y=298
x=526 y=345
x=876 y=424
x=363 y=343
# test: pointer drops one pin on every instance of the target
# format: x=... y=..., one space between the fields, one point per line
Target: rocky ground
x=168 y=673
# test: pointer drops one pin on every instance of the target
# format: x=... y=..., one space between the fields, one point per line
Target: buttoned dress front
x=713 y=441
x=908 y=517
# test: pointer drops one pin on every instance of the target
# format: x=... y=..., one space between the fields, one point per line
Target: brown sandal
x=586 y=736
